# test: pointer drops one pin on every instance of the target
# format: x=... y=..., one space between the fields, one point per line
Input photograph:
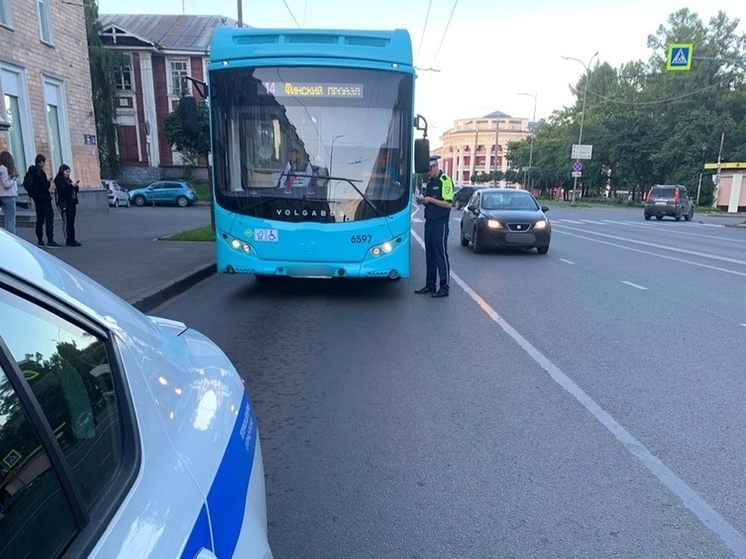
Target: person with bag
x=8 y=190
x=38 y=187
x=67 y=200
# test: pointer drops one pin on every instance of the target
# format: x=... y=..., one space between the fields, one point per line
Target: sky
x=490 y=53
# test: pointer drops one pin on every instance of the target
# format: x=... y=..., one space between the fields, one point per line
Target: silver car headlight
x=539 y=225
x=493 y=224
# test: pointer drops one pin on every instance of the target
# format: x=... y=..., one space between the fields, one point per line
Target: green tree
x=191 y=146
x=104 y=65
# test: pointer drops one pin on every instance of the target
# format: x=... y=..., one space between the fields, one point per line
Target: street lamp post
x=527 y=176
x=582 y=111
x=331 y=155
x=699 y=185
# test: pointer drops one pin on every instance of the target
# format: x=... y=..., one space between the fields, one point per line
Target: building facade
x=45 y=88
x=469 y=146
x=160 y=53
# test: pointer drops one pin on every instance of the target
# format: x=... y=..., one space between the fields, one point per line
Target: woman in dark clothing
x=67 y=199
x=37 y=186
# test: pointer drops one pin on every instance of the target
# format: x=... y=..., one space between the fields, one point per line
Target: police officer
x=437 y=199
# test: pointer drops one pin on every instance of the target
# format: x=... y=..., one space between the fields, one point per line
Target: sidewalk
x=121 y=251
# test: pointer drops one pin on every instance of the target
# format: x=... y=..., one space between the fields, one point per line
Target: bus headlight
x=383 y=248
x=239 y=245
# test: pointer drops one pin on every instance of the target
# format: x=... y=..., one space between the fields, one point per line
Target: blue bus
x=312 y=139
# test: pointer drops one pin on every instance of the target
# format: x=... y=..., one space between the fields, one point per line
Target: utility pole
x=699 y=185
x=717 y=177
x=527 y=175
x=240 y=12
x=582 y=111
x=497 y=145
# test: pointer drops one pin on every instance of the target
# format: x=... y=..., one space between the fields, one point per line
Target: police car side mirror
x=421 y=155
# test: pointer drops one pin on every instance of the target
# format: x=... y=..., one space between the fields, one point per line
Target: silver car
x=118 y=196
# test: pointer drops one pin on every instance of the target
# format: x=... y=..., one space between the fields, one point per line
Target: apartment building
x=45 y=89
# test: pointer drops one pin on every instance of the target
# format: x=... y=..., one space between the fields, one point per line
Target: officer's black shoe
x=440 y=293
x=425 y=289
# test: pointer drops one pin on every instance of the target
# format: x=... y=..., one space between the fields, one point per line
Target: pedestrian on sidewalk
x=38 y=187
x=67 y=200
x=8 y=190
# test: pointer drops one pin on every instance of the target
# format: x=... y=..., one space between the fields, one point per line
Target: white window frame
x=173 y=89
x=44 y=10
x=8 y=75
x=120 y=83
x=6 y=17
x=54 y=94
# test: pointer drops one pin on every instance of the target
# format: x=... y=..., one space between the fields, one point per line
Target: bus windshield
x=311 y=143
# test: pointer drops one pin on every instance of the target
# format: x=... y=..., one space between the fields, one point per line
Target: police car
x=121 y=435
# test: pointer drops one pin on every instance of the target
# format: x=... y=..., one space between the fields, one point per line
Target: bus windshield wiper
x=352 y=182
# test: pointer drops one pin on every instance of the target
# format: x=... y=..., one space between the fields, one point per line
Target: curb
x=171 y=289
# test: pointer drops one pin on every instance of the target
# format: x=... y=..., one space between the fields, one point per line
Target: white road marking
x=698 y=264
x=648 y=226
x=417 y=220
x=566 y=261
x=663 y=247
x=593 y=222
x=635 y=285
x=709 y=517
x=567 y=221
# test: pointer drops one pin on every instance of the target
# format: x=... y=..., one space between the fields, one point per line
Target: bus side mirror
x=421 y=155
x=188 y=115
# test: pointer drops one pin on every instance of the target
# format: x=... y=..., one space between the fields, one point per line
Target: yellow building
x=46 y=102
x=469 y=146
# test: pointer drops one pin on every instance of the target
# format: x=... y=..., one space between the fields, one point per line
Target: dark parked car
x=669 y=199
x=507 y=218
x=165 y=192
x=461 y=196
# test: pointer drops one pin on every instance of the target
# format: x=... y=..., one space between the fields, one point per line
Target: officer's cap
x=434 y=160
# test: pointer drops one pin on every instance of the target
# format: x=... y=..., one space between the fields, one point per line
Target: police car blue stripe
x=227 y=496
x=200 y=536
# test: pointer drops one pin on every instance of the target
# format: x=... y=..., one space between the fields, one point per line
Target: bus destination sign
x=305 y=89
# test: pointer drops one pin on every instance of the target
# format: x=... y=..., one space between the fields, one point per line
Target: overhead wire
x=291 y=13
x=445 y=31
x=424 y=27
x=656 y=101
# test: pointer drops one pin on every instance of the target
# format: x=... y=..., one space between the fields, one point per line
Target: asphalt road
x=585 y=403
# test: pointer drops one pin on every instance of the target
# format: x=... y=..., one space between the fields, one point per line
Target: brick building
x=45 y=88
x=161 y=51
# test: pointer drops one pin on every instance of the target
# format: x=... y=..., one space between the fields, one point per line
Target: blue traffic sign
x=679 y=56
x=577 y=166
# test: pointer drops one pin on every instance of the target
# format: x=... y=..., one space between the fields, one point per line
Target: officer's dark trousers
x=44 y=216
x=436 y=253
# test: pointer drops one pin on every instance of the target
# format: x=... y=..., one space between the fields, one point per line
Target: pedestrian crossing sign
x=679 y=56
